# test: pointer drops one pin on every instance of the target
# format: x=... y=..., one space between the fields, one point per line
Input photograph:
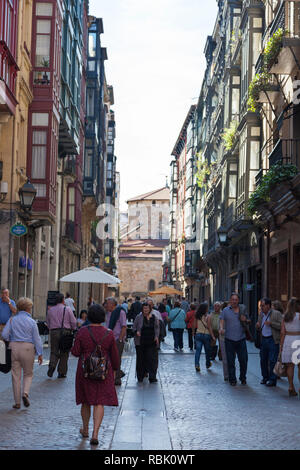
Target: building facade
x=143 y=239
x=52 y=78
x=246 y=142
x=16 y=96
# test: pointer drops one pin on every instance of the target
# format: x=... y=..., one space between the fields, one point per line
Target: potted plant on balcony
x=45 y=63
x=273 y=48
x=277 y=178
x=203 y=172
x=229 y=135
x=258 y=84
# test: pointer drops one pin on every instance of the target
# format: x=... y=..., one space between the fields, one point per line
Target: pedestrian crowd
x=97 y=337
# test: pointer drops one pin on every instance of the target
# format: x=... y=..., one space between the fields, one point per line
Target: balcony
x=287 y=152
x=288 y=19
x=230 y=215
x=70 y=169
x=70 y=230
x=8 y=74
x=41 y=78
x=212 y=242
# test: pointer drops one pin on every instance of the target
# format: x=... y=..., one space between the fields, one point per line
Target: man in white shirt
x=69 y=302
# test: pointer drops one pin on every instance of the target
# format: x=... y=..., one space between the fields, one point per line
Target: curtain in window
x=39 y=151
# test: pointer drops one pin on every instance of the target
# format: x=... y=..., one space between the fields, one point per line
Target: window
x=90 y=102
x=71 y=204
x=242 y=162
x=42 y=51
x=92 y=45
x=92 y=65
x=43 y=9
x=254 y=164
x=151 y=285
x=88 y=164
x=40 y=190
x=39 y=154
x=40 y=119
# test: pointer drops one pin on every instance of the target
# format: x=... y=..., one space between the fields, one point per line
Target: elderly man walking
x=232 y=323
x=116 y=321
x=7 y=308
x=60 y=320
x=269 y=326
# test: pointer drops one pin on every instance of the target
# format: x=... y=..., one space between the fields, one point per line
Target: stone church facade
x=142 y=242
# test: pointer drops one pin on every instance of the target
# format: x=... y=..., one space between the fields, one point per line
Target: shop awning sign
x=18 y=230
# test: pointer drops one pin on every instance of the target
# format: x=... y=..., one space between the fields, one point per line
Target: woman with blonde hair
x=290 y=341
x=22 y=332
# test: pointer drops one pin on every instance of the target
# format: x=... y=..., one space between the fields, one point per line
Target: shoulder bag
x=66 y=337
x=245 y=326
x=258 y=334
x=171 y=321
x=280 y=369
x=5 y=365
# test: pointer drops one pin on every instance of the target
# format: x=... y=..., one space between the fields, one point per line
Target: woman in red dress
x=91 y=392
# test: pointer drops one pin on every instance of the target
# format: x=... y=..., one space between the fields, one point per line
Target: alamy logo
x=296 y=354
x=296 y=94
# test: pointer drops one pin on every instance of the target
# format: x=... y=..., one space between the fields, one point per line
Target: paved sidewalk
x=142 y=422
x=206 y=413
x=184 y=410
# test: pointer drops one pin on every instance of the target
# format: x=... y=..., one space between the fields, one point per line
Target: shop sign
x=249 y=287
x=18 y=230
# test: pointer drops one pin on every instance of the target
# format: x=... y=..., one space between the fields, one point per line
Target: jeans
x=238 y=348
x=268 y=357
x=178 y=338
x=202 y=340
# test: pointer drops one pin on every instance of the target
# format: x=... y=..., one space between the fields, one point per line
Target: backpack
x=95 y=366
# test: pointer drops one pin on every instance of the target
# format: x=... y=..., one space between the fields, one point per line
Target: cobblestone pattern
x=204 y=412
x=201 y=410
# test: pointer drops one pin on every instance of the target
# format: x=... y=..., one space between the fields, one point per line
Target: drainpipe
x=268 y=261
x=10 y=249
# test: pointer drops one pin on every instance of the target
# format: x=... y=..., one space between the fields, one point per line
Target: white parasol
x=91 y=275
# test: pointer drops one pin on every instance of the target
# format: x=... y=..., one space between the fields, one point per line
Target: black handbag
x=66 y=337
x=257 y=341
x=5 y=368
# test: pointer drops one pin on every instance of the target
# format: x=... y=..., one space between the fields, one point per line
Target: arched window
x=151 y=285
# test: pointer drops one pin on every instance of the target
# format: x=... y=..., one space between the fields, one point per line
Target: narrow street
x=183 y=411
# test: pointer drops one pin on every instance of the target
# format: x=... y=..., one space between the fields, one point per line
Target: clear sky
x=155 y=64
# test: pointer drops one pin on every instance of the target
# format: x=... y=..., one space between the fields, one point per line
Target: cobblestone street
x=184 y=410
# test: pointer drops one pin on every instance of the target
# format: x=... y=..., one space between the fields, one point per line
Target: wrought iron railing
x=230 y=215
x=286 y=151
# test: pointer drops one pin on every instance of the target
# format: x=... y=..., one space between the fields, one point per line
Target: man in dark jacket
x=135 y=309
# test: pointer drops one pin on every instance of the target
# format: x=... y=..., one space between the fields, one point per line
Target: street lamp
x=222 y=234
x=27 y=196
